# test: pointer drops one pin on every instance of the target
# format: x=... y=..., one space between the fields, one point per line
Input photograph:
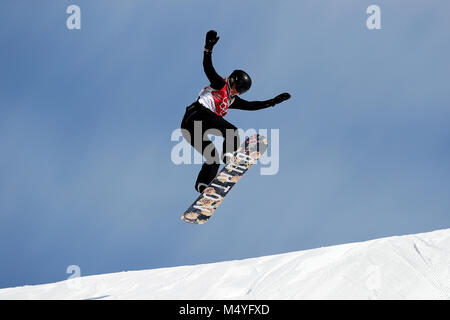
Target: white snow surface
x=404 y=267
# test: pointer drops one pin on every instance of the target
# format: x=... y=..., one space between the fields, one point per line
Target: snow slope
x=405 y=267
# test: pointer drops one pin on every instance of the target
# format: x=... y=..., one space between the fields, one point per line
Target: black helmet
x=241 y=79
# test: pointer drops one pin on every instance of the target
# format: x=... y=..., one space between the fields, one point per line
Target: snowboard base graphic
x=243 y=158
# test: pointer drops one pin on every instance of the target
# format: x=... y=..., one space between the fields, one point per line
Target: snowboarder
x=207 y=113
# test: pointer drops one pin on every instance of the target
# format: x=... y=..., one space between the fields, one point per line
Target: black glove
x=279 y=98
x=211 y=39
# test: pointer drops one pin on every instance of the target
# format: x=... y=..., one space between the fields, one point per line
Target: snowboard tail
x=243 y=158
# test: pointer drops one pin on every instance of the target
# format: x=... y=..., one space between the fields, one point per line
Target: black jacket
x=217 y=83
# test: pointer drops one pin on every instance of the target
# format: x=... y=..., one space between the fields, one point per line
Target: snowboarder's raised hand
x=211 y=39
x=280 y=98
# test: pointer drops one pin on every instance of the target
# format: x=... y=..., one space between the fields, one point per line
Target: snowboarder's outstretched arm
x=215 y=79
x=242 y=104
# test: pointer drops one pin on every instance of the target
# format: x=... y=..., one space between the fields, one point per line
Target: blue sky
x=86 y=118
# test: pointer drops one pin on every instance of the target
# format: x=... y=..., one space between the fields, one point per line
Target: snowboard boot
x=205 y=176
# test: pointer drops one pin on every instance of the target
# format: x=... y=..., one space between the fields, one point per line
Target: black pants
x=199 y=120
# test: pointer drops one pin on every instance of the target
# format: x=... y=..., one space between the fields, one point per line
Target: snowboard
x=243 y=158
